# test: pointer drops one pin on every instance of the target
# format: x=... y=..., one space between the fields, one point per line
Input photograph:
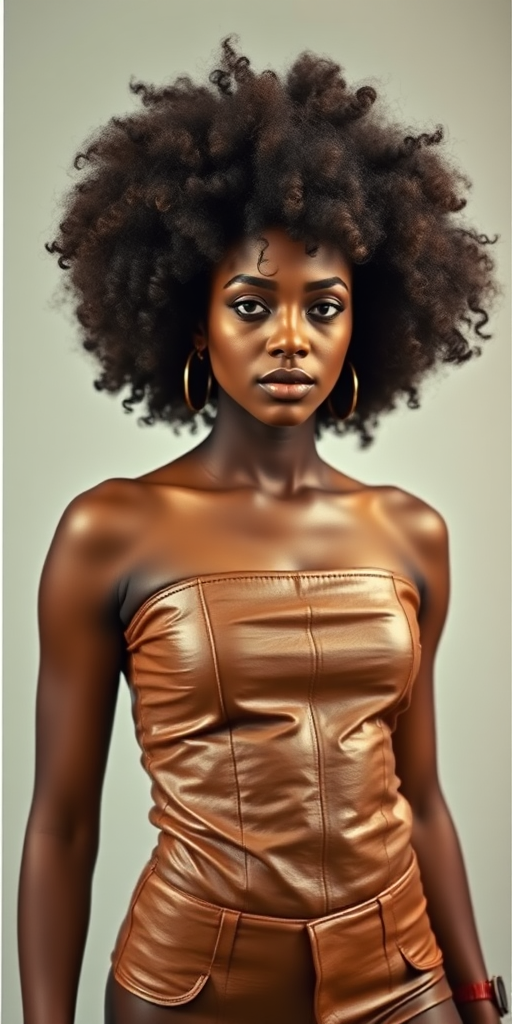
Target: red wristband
x=474 y=990
x=492 y=989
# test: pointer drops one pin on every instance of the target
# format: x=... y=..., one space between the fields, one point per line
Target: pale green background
x=68 y=63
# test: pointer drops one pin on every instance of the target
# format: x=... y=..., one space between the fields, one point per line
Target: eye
x=326 y=306
x=248 y=314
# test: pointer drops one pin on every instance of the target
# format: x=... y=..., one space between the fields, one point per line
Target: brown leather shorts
x=376 y=961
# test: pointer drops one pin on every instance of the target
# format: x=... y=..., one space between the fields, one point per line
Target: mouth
x=287 y=385
x=286 y=392
x=283 y=376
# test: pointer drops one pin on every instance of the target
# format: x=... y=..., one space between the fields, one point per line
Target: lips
x=282 y=376
x=286 y=385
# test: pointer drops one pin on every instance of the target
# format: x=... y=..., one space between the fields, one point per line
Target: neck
x=242 y=452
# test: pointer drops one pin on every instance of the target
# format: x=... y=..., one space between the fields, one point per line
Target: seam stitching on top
x=411 y=638
x=277 y=574
x=321 y=814
x=213 y=650
x=139 y=707
x=381 y=806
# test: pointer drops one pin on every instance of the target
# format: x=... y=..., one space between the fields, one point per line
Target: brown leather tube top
x=264 y=704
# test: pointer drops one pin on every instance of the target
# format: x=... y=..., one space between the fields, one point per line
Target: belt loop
x=389 y=936
x=225 y=938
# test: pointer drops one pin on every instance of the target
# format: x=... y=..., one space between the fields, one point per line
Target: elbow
x=75 y=835
x=427 y=804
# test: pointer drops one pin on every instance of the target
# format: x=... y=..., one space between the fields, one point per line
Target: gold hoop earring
x=355 y=384
x=186 y=372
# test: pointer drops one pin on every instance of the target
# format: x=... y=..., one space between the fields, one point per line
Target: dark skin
x=254 y=495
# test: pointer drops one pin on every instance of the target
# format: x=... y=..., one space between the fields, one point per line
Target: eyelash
x=256 y=302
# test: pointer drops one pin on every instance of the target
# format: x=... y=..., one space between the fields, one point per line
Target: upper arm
x=414 y=740
x=81 y=651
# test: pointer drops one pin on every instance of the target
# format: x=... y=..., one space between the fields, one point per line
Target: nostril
x=288 y=347
x=282 y=352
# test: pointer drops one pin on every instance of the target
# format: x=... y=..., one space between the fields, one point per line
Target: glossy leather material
x=375 y=961
x=264 y=704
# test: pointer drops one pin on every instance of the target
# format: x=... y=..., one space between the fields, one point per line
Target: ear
x=200 y=337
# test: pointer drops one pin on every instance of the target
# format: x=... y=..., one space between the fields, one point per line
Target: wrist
x=482 y=1000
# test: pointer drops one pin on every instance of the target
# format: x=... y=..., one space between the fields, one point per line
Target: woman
x=274 y=256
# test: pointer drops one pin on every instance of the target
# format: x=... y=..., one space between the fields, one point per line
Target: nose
x=289 y=338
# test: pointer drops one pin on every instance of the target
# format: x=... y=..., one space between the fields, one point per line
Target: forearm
x=54 y=905
x=449 y=902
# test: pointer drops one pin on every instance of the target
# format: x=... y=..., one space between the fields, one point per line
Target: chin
x=290 y=415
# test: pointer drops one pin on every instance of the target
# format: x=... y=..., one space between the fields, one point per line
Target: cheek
x=339 y=343
x=232 y=346
x=229 y=355
x=346 y=326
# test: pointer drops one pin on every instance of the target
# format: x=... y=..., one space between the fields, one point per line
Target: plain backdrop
x=68 y=64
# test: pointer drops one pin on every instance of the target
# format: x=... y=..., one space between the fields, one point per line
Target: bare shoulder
x=424 y=525
x=425 y=535
x=419 y=525
x=419 y=521
x=98 y=531
x=107 y=512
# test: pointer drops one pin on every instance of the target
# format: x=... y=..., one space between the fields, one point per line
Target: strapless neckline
x=261 y=574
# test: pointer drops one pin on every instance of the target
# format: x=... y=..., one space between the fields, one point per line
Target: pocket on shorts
x=418 y=945
x=352 y=977
x=167 y=944
x=368 y=956
x=413 y=932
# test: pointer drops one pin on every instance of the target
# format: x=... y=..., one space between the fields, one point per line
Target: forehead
x=274 y=254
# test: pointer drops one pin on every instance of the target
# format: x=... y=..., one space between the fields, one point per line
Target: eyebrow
x=271 y=286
